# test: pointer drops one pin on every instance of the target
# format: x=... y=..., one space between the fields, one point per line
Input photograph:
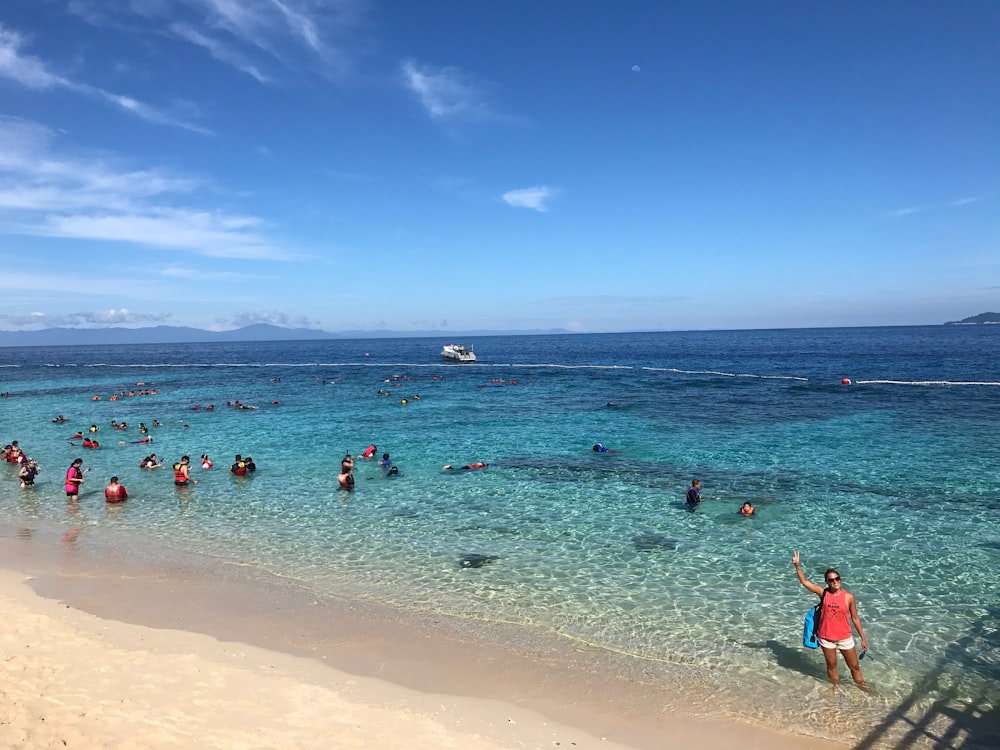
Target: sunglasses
x=831 y=580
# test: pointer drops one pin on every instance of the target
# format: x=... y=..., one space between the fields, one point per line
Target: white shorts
x=845 y=645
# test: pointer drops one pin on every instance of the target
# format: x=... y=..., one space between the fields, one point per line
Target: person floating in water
x=599 y=448
x=746 y=509
x=838 y=611
x=386 y=462
x=468 y=467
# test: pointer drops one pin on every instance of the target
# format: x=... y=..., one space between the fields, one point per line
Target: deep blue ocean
x=893 y=479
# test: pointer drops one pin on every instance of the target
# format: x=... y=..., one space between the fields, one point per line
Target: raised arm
x=816 y=589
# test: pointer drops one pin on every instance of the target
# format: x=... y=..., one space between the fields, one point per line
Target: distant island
x=981 y=319
x=184 y=334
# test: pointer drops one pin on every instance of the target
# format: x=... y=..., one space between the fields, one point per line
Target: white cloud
x=31 y=72
x=24 y=69
x=274 y=317
x=99 y=318
x=535 y=198
x=44 y=193
x=446 y=93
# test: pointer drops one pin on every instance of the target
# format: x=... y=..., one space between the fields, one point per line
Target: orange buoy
x=845 y=381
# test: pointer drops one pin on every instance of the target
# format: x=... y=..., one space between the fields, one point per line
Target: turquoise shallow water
x=893 y=483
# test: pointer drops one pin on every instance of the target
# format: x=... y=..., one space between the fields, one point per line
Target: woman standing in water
x=838 y=611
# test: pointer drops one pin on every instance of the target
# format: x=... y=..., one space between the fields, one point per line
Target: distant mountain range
x=986 y=317
x=184 y=334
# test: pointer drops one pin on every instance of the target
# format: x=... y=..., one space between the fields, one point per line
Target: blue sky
x=592 y=166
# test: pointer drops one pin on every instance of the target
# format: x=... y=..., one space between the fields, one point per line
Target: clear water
x=893 y=480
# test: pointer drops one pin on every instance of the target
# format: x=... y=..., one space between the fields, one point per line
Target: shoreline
x=481 y=680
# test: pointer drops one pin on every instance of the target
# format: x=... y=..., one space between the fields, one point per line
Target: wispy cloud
x=446 y=93
x=612 y=300
x=197 y=274
x=45 y=193
x=206 y=233
x=251 y=36
x=964 y=201
x=535 y=198
x=901 y=212
x=218 y=49
x=31 y=72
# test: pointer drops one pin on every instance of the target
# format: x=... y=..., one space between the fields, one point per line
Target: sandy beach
x=76 y=679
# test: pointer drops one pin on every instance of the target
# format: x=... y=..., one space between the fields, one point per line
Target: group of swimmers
x=123 y=394
x=346 y=477
x=28 y=468
x=694 y=499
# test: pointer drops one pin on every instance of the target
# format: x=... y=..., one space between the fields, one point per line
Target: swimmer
x=468 y=467
x=205 y=463
x=150 y=462
x=347 y=463
x=747 y=509
x=371 y=450
x=599 y=448
x=386 y=462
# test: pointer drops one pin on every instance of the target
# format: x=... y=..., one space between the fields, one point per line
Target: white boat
x=458 y=353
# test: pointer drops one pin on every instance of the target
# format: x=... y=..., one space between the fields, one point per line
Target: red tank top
x=835 y=619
